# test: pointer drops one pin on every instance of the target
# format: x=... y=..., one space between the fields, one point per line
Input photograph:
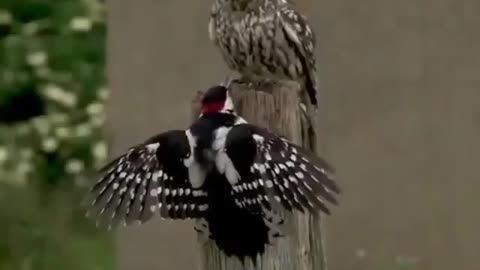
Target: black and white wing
x=150 y=177
x=301 y=38
x=265 y=169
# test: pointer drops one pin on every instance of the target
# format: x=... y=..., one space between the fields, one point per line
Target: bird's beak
x=227 y=81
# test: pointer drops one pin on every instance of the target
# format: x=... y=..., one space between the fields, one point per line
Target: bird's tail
x=311 y=89
x=236 y=231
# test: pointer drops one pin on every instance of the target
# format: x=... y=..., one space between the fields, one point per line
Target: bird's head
x=217 y=100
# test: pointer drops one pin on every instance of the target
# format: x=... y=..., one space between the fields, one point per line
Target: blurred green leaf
x=30 y=10
x=52 y=65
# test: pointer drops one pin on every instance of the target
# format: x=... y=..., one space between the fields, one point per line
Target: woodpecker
x=266 y=40
x=232 y=177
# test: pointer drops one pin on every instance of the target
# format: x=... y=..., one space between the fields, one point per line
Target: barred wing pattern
x=150 y=177
x=273 y=171
x=301 y=38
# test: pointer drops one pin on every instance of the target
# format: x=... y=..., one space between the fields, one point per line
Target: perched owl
x=266 y=40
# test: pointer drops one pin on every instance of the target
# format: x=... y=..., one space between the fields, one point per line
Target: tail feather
x=311 y=89
x=236 y=231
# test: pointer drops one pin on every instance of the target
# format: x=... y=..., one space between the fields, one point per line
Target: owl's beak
x=227 y=81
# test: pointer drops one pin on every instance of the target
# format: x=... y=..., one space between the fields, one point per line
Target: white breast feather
x=196 y=174
x=222 y=161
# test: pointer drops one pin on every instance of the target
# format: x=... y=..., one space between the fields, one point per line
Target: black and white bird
x=229 y=175
x=266 y=40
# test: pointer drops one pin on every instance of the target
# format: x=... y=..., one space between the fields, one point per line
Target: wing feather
x=149 y=177
x=301 y=37
x=275 y=172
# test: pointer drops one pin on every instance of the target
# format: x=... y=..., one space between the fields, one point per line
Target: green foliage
x=52 y=95
x=51 y=88
x=49 y=232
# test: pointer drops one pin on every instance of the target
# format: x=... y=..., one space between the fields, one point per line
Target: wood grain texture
x=275 y=106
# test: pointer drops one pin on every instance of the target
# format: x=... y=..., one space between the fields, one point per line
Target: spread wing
x=265 y=169
x=150 y=177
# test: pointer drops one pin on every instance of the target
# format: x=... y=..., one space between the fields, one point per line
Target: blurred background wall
x=400 y=80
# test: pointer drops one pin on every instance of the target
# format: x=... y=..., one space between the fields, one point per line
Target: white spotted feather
x=137 y=184
x=285 y=175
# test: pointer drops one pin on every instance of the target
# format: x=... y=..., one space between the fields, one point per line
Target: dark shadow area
x=22 y=105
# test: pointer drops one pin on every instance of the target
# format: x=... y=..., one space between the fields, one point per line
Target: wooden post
x=275 y=106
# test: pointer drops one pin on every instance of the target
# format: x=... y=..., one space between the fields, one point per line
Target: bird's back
x=252 y=41
x=235 y=230
x=204 y=129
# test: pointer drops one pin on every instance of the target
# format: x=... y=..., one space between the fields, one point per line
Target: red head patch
x=212 y=107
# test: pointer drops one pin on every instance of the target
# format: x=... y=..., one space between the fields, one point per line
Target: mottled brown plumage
x=265 y=40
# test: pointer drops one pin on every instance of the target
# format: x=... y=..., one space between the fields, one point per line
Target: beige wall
x=401 y=80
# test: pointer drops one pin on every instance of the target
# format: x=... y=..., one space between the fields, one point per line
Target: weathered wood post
x=276 y=106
